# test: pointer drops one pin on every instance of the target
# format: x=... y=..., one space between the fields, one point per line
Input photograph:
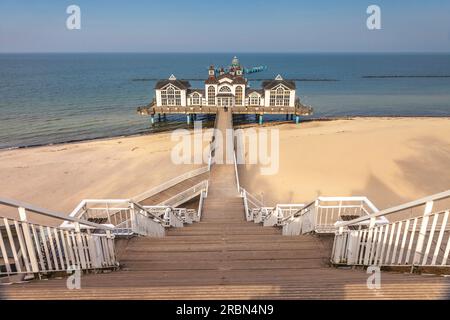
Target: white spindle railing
x=423 y=240
x=34 y=248
x=186 y=195
x=127 y=217
x=252 y=205
x=170 y=183
x=321 y=215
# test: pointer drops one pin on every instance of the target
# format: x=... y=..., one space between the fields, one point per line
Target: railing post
x=80 y=245
x=369 y=241
x=167 y=217
x=133 y=217
x=28 y=240
x=422 y=232
x=111 y=251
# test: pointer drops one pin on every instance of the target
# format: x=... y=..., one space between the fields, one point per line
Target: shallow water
x=53 y=98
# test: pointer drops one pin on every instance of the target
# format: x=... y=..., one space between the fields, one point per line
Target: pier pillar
x=159 y=117
x=287 y=117
x=152 y=119
x=260 y=119
x=297 y=119
x=188 y=118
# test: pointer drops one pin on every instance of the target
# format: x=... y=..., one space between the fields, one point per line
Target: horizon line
x=224 y=52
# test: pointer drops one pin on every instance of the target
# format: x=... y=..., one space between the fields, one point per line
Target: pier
x=226 y=89
x=228 y=245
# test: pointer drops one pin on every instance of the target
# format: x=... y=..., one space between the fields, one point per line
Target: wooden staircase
x=225 y=257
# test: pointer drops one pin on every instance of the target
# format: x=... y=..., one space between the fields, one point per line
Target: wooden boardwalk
x=225 y=257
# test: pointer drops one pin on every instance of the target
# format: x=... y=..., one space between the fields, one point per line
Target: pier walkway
x=226 y=257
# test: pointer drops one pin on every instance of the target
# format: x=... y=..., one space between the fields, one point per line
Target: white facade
x=225 y=90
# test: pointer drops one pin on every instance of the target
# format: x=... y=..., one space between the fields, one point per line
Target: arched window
x=254 y=100
x=196 y=99
x=279 y=97
x=239 y=96
x=171 y=97
x=211 y=96
x=225 y=89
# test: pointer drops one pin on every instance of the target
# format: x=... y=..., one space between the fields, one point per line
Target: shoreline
x=391 y=160
x=240 y=125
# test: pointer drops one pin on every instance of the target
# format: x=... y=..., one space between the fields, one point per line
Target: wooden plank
x=411 y=241
x=58 y=248
x=397 y=238
x=46 y=251
x=386 y=232
x=430 y=239
x=38 y=247
x=391 y=237
x=12 y=245
x=4 y=254
x=402 y=248
x=52 y=248
x=22 y=247
x=65 y=248
x=440 y=237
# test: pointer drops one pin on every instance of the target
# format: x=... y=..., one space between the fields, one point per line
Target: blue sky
x=224 y=26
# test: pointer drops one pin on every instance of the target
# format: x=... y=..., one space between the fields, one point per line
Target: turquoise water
x=54 y=98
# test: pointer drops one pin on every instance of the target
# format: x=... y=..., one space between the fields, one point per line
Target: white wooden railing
x=170 y=183
x=33 y=248
x=126 y=217
x=321 y=215
x=318 y=216
x=186 y=195
x=252 y=205
x=421 y=240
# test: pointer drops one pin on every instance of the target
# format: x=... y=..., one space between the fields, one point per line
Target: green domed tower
x=235 y=62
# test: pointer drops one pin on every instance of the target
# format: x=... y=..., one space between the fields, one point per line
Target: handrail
x=51 y=214
x=407 y=205
x=33 y=248
x=192 y=190
x=296 y=214
x=236 y=172
x=170 y=183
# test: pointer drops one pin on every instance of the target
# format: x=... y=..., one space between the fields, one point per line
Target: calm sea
x=53 y=98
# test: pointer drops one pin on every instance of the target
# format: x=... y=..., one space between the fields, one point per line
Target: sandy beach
x=391 y=160
x=58 y=177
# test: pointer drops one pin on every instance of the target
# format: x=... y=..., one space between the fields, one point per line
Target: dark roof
x=181 y=84
x=269 y=84
x=211 y=80
x=239 y=80
x=225 y=75
x=201 y=91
